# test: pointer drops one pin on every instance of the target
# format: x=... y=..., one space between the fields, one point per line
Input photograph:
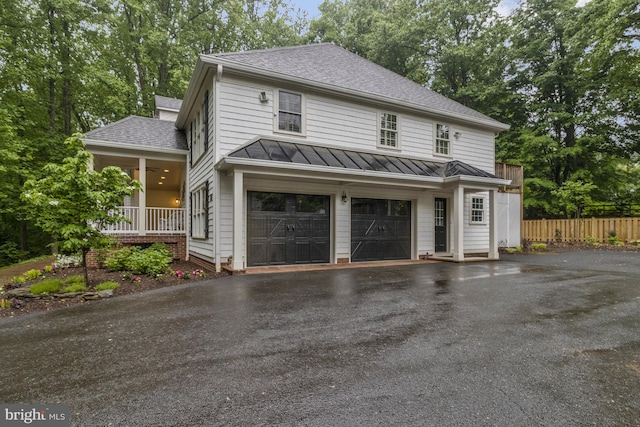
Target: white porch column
x=493 y=225
x=238 y=221
x=142 y=198
x=458 y=223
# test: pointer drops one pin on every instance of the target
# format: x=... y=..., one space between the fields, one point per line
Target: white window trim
x=198 y=211
x=303 y=113
x=398 y=139
x=435 y=140
x=484 y=210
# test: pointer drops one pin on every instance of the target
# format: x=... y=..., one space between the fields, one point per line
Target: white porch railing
x=166 y=220
x=157 y=221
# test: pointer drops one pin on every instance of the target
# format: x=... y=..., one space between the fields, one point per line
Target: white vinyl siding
x=476 y=236
x=476 y=148
x=335 y=121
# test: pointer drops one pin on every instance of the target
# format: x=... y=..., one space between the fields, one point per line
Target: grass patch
x=107 y=285
x=539 y=246
x=46 y=287
x=74 y=280
x=36 y=259
x=77 y=287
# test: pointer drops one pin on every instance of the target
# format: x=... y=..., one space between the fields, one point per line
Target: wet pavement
x=550 y=340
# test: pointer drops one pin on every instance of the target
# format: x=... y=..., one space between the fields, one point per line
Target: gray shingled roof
x=289 y=152
x=141 y=131
x=169 y=103
x=332 y=65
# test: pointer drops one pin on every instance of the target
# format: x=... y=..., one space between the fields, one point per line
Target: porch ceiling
x=155 y=171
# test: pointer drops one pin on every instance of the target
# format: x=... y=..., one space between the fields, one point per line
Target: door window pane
x=267 y=202
x=310 y=204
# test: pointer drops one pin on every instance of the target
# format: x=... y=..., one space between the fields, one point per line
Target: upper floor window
x=477 y=210
x=199 y=131
x=388 y=130
x=443 y=141
x=289 y=112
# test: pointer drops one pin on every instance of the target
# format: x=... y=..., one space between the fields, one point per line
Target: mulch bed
x=96 y=276
x=553 y=246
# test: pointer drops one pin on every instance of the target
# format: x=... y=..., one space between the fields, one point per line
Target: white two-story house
x=311 y=154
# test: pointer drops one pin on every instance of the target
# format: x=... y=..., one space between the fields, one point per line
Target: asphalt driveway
x=530 y=340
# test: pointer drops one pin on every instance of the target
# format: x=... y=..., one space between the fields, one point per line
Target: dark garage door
x=287 y=229
x=380 y=229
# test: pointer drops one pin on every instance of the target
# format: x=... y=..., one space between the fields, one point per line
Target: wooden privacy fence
x=577 y=230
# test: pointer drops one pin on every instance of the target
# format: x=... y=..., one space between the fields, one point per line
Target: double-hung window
x=443 y=141
x=388 y=130
x=477 y=210
x=199 y=131
x=200 y=212
x=289 y=112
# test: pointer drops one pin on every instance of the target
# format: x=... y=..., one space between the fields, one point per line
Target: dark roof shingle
x=332 y=65
x=141 y=131
x=163 y=102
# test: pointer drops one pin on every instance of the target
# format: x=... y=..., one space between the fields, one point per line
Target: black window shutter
x=206 y=121
x=206 y=210
x=191 y=144
x=191 y=214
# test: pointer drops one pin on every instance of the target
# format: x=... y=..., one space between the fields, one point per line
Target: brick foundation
x=343 y=260
x=202 y=263
x=177 y=244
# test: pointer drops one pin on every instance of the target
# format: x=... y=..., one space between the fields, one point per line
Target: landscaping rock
x=107 y=293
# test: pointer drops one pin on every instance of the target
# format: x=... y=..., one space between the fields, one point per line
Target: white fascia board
x=172 y=110
x=113 y=148
x=254 y=71
x=339 y=174
x=478 y=182
x=195 y=82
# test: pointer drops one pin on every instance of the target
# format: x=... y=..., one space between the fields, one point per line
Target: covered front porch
x=158 y=208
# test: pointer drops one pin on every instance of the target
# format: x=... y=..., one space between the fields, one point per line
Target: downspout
x=216 y=173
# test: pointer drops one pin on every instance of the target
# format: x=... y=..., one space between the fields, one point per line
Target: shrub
x=46 y=287
x=592 y=241
x=64 y=261
x=48 y=269
x=152 y=261
x=539 y=246
x=32 y=274
x=10 y=254
x=18 y=280
x=117 y=260
x=76 y=287
x=107 y=285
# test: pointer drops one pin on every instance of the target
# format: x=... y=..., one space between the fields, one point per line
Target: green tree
x=74 y=202
x=574 y=196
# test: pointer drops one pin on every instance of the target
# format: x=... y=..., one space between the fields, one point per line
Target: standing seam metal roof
x=289 y=152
